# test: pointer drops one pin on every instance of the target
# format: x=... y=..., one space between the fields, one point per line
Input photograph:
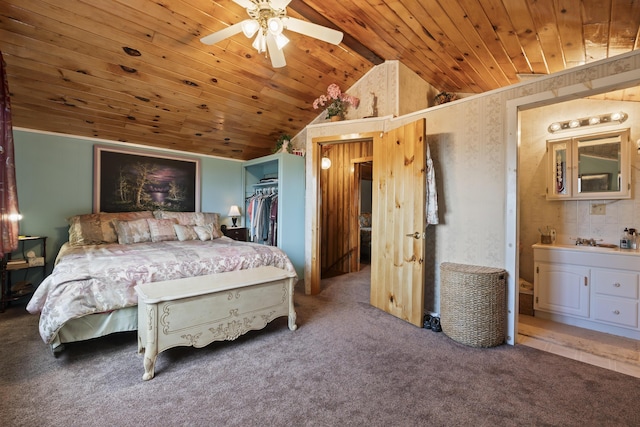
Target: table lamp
x=234 y=213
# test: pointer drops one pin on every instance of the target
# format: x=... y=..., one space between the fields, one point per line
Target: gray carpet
x=348 y=364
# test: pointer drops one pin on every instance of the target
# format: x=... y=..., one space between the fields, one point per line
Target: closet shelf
x=266 y=184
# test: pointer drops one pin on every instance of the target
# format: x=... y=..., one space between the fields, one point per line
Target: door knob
x=415 y=235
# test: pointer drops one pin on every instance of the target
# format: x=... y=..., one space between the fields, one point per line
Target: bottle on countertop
x=633 y=239
x=624 y=240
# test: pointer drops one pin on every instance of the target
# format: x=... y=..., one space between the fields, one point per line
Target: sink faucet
x=585 y=242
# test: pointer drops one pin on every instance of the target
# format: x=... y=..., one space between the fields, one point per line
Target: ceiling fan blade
x=231 y=30
x=247 y=4
x=312 y=30
x=280 y=4
x=277 y=55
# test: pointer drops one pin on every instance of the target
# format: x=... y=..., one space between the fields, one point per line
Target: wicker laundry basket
x=473 y=304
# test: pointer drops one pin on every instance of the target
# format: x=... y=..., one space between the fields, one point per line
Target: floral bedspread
x=101 y=278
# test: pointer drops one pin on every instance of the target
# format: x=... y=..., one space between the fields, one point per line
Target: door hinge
x=537 y=269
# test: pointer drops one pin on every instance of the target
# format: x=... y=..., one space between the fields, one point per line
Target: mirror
x=594 y=166
x=599 y=163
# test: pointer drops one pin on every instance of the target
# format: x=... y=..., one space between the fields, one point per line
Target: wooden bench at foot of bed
x=199 y=310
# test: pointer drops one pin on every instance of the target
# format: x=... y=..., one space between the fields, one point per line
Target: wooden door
x=398 y=221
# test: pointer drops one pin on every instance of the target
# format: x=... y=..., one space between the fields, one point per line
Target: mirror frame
x=572 y=165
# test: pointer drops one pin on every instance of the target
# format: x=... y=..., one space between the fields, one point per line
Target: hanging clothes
x=431 y=196
x=262 y=210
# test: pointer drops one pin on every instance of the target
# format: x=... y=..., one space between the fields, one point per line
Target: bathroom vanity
x=588 y=286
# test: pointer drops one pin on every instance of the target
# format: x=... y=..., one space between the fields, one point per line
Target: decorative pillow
x=211 y=218
x=162 y=229
x=136 y=231
x=182 y=218
x=185 y=232
x=193 y=218
x=205 y=232
x=98 y=228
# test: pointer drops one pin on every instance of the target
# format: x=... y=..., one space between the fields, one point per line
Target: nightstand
x=237 y=233
x=10 y=291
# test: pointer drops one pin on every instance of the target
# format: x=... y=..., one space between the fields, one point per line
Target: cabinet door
x=594 y=166
x=559 y=169
x=562 y=289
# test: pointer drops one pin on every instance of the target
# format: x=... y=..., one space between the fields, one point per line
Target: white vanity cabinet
x=564 y=288
x=589 y=287
x=615 y=296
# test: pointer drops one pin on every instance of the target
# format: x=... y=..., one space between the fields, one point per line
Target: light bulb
x=281 y=40
x=249 y=27
x=260 y=43
x=554 y=127
x=326 y=163
x=275 y=26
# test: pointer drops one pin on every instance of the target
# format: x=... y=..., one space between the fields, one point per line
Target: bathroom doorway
x=363 y=204
x=570 y=219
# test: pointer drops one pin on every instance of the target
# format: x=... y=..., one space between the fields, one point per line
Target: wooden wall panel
x=336 y=205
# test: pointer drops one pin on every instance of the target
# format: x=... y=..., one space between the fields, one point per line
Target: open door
x=398 y=246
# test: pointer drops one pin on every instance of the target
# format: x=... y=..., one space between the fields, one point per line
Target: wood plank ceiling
x=135 y=70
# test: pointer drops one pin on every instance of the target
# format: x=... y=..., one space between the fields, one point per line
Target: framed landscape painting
x=127 y=180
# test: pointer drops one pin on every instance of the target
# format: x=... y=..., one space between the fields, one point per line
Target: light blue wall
x=54 y=176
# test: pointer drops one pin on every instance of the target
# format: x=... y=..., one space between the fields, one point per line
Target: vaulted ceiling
x=135 y=70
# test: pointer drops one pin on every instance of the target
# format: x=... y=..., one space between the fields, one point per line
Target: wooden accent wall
x=336 y=203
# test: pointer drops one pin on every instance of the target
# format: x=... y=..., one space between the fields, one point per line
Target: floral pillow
x=162 y=229
x=98 y=228
x=211 y=218
x=205 y=232
x=193 y=218
x=182 y=218
x=136 y=231
x=185 y=232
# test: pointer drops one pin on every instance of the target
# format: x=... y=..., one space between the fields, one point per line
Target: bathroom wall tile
x=625 y=215
x=570 y=211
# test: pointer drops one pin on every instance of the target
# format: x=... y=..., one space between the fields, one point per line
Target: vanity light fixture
x=602 y=119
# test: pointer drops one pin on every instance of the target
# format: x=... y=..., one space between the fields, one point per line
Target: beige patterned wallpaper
x=473 y=144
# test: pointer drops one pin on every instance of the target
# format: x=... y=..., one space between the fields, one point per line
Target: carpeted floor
x=348 y=364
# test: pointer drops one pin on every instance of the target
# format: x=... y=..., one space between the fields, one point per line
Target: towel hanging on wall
x=431 y=196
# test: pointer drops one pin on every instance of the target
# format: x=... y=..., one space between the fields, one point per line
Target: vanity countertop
x=589 y=255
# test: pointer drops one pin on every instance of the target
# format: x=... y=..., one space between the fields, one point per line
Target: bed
x=90 y=292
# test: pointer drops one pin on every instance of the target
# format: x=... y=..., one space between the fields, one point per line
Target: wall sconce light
x=325 y=163
x=234 y=213
x=602 y=119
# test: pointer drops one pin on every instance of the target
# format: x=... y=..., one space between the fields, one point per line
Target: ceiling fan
x=268 y=18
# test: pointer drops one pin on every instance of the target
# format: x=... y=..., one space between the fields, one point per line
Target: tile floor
x=605 y=350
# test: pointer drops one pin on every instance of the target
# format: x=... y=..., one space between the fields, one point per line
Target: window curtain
x=9 y=224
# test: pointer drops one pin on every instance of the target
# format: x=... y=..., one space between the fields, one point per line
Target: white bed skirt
x=97 y=325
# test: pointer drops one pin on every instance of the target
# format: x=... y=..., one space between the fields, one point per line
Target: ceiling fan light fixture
x=275 y=26
x=260 y=43
x=249 y=27
x=281 y=40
